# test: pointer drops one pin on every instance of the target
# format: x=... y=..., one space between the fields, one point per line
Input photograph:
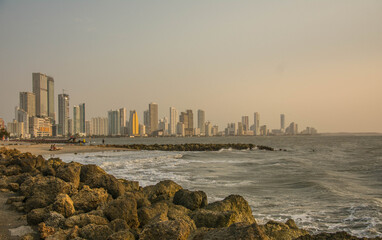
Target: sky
x=317 y=62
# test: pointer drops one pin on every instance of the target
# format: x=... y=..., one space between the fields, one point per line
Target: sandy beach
x=43 y=149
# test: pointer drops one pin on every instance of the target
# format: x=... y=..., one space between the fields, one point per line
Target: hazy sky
x=318 y=62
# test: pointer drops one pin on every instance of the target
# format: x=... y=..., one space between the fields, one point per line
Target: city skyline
x=240 y=58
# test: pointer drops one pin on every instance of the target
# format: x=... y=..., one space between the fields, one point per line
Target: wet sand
x=43 y=149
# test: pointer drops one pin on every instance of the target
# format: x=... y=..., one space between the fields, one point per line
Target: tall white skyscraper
x=173 y=121
x=256 y=124
x=282 y=122
x=245 y=122
x=63 y=114
x=201 y=121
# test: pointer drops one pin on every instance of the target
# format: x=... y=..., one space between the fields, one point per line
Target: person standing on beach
x=103 y=141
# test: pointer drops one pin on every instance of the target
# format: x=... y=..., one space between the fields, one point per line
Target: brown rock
x=88 y=199
x=122 y=235
x=124 y=208
x=147 y=214
x=118 y=225
x=95 y=177
x=277 y=230
x=237 y=231
x=55 y=220
x=70 y=173
x=213 y=219
x=190 y=199
x=82 y=220
x=95 y=232
x=45 y=231
x=167 y=230
x=164 y=190
x=130 y=186
x=37 y=216
x=64 y=205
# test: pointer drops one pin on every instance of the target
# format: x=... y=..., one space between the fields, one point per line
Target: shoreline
x=52 y=189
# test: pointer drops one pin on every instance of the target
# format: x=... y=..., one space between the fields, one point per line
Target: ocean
x=324 y=183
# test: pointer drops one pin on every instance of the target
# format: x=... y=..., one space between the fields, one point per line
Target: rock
x=331 y=236
x=118 y=225
x=11 y=200
x=166 y=230
x=164 y=190
x=95 y=177
x=234 y=203
x=21 y=231
x=37 y=216
x=70 y=173
x=213 y=219
x=88 y=199
x=58 y=235
x=64 y=205
x=14 y=187
x=277 y=230
x=237 y=231
x=45 y=231
x=95 y=232
x=42 y=191
x=29 y=162
x=130 y=186
x=124 y=208
x=12 y=170
x=122 y=235
x=55 y=220
x=190 y=199
x=147 y=214
x=82 y=220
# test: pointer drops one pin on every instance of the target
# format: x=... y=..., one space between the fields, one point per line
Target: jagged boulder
x=64 y=205
x=167 y=230
x=37 y=216
x=122 y=235
x=191 y=199
x=156 y=211
x=96 y=177
x=237 y=231
x=55 y=219
x=124 y=208
x=70 y=173
x=236 y=204
x=281 y=231
x=213 y=219
x=28 y=162
x=164 y=190
x=88 y=199
x=84 y=219
x=95 y=232
x=130 y=186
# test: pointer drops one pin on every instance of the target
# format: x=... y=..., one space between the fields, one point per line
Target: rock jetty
x=194 y=147
x=74 y=201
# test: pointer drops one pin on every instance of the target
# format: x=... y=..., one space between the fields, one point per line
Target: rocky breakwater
x=74 y=201
x=194 y=147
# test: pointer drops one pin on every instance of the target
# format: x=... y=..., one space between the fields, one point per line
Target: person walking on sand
x=103 y=141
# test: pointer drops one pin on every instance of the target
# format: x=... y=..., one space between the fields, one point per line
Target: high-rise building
x=240 y=129
x=146 y=120
x=282 y=122
x=71 y=127
x=22 y=116
x=264 y=130
x=114 y=121
x=40 y=89
x=231 y=129
x=50 y=87
x=28 y=103
x=187 y=118
x=201 y=121
x=292 y=129
x=256 y=123
x=123 y=120
x=82 y=118
x=142 y=130
x=153 y=117
x=40 y=127
x=99 y=126
x=76 y=120
x=15 y=128
x=88 y=128
x=163 y=125
x=134 y=124
x=208 y=128
x=245 y=122
x=173 y=121
x=180 y=129
x=63 y=114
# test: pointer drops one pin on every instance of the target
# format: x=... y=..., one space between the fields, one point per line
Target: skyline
x=229 y=59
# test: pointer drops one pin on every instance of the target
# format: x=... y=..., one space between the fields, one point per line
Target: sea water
x=324 y=183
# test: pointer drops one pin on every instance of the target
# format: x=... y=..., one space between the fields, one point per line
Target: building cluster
x=35 y=117
x=243 y=128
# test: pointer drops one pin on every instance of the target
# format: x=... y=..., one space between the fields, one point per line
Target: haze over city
x=319 y=63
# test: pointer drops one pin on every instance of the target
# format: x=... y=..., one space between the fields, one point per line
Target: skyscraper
x=82 y=118
x=28 y=103
x=76 y=120
x=40 y=89
x=187 y=118
x=123 y=119
x=134 y=123
x=282 y=122
x=63 y=114
x=256 y=124
x=50 y=87
x=201 y=121
x=245 y=122
x=146 y=120
x=173 y=121
x=153 y=117
x=114 y=121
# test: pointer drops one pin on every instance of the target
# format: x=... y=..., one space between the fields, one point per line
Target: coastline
x=152 y=210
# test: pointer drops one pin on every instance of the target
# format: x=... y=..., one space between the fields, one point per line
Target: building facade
x=201 y=121
x=76 y=120
x=256 y=123
x=133 y=124
x=173 y=121
x=28 y=103
x=63 y=114
x=153 y=117
x=114 y=122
